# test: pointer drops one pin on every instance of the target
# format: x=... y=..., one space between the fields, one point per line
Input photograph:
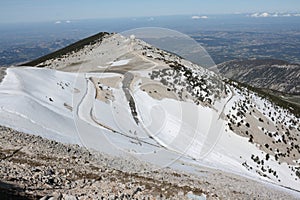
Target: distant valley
x=225 y=37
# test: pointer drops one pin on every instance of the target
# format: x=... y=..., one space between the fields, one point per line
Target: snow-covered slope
x=38 y=101
x=124 y=97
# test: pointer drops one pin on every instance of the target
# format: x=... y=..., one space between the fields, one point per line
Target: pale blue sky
x=51 y=10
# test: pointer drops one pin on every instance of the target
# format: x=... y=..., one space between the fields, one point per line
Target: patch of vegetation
x=293 y=108
x=298 y=174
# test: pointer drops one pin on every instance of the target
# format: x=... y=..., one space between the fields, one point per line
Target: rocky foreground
x=35 y=168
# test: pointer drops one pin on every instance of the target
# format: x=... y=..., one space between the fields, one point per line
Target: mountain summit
x=127 y=98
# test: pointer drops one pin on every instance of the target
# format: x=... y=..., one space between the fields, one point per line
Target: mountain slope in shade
x=269 y=73
x=125 y=97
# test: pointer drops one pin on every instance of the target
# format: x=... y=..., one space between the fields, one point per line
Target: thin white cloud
x=265 y=14
x=58 y=22
x=199 y=17
x=255 y=15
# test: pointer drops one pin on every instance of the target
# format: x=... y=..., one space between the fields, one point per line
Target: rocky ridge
x=269 y=74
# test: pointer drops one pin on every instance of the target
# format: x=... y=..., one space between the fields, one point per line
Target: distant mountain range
x=270 y=74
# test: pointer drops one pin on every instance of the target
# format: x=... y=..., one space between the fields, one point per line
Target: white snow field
x=131 y=109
